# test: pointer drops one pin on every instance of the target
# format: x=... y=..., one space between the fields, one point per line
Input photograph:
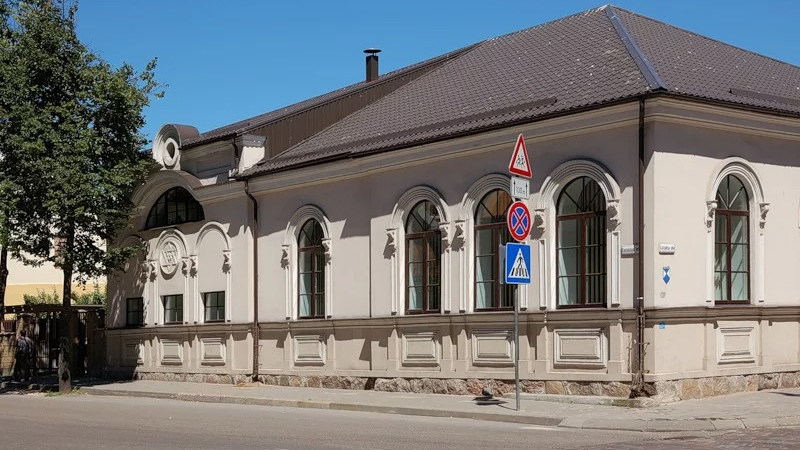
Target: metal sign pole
x=516 y=342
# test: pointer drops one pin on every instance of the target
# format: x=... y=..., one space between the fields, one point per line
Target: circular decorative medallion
x=170 y=256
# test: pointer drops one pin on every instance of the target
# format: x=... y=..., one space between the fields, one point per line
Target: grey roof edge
x=254 y=171
x=645 y=66
x=346 y=91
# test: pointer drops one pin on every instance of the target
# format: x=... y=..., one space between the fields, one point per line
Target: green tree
x=74 y=124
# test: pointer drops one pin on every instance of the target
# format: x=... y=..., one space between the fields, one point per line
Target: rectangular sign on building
x=518 y=263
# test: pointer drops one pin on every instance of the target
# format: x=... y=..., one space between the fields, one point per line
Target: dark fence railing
x=42 y=323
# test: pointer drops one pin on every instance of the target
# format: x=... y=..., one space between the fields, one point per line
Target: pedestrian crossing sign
x=518 y=263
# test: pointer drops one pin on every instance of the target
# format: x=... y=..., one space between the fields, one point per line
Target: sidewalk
x=737 y=411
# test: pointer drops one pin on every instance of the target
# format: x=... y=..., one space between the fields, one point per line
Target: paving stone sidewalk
x=738 y=411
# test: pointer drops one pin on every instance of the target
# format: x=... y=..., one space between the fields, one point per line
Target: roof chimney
x=372 y=63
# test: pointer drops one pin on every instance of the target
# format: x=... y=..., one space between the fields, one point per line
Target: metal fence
x=42 y=323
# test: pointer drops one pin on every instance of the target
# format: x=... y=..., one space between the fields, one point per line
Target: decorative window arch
x=194 y=266
x=174 y=207
x=169 y=257
x=756 y=220
x=464 y=238
x=396 y=244
x=289 y=258
x=491 y=231
x=544 y=223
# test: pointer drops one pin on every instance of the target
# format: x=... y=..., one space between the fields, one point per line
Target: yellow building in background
x=46 y=278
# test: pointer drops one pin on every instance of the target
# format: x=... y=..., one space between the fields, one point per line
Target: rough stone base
x=693 y=388
x=471 y=386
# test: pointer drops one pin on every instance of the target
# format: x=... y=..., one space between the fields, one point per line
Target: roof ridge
x=727 y=44
x=638 y=56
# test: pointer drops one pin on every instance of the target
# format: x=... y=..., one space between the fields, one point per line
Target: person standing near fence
x=24 y=357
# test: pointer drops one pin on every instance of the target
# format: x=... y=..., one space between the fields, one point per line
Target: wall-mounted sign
x=629 y=250
x=666 y=249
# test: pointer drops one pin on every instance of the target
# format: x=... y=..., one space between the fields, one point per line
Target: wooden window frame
x=207 y=308
x=426 y=237
x=500 y=236
x=180 y=308
x=499 y=231
x=582 y=246
x=727 y=214
x=583 y=276
x=176 y=198
x=139 y=311
x=317 y=255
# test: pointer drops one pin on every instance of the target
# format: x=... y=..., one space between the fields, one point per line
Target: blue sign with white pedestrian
x=518 y=263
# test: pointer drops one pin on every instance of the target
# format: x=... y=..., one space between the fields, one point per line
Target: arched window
x=423 y=259
x=732 y=242
x=311 y=270
x=581 y=242
x=174 y=207
x=491 y=232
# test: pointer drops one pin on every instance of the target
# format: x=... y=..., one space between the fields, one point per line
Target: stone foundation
x=659 y=392
x=454 y=386
x=694 y=388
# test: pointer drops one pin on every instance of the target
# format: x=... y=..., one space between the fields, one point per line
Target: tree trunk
x=3 y=281
x=67 y=336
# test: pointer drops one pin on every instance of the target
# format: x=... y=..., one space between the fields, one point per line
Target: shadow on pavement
x=49 y=383
x=787 y=394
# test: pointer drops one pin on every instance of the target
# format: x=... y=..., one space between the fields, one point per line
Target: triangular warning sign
x=520 y=164
x=519 y=269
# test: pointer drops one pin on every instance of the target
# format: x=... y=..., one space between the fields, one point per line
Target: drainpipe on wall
x=254 y=228
x=637 y=388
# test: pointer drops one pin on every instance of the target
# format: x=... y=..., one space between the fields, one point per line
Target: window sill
x=732 y=303
x=504 y=309
x=597 y=307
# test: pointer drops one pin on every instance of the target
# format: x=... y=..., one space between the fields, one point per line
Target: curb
x=337 y=406
x=654 y=425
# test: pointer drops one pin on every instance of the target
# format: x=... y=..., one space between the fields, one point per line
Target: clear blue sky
x=227 y=60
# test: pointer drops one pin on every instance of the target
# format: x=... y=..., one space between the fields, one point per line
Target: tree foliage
x=71 y=143
x=70 y=148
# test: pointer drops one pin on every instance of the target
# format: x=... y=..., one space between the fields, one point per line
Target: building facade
x=352 y=240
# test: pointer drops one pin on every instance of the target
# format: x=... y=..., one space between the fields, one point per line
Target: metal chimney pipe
x=372 y=63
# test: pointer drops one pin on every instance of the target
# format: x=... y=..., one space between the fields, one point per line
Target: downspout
x=638 y=382
x=254 y=228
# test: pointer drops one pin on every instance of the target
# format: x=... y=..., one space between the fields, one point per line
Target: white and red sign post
x=519 y=224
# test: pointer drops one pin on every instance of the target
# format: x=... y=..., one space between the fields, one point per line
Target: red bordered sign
x=520 y=164
x=519 y=221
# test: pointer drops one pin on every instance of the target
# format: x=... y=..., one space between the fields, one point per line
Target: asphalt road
x=89 y=422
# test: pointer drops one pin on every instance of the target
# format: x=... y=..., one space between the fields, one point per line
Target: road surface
x=89 y=422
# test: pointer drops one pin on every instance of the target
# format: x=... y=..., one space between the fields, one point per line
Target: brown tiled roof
x=247 y=125
x=592 y=58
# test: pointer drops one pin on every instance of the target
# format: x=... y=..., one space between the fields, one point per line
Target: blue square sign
x=518 y=263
